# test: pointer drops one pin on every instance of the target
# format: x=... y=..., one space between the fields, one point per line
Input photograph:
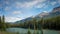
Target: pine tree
x=18 y=33
x=0 y=23
x=42 y=22
x=3 y=23
x=37 y=32
x=29 y=30
x=34 y=21
x=0 y=19
x=37 y=27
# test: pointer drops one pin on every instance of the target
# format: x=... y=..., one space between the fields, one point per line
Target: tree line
x=45 y=23
x=52 y=23
x=2 y=23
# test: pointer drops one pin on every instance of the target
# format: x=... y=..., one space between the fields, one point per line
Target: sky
x=15 y=10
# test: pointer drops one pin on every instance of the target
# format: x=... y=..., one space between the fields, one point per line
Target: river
x=24 y=31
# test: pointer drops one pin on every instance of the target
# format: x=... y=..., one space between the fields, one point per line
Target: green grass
x=4 y=32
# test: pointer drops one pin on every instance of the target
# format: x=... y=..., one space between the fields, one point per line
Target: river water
x=24 y=31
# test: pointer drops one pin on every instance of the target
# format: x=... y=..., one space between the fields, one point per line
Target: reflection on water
x=24 y=31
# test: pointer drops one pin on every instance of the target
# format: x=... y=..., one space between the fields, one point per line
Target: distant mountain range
x=54 y=12
x=22 y=21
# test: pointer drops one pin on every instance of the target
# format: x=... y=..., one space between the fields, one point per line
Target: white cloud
x=7 y=2
x=53 y=3
x=0 y=12
x=28 y=4
x=17 y=12
x=40 y=5
x=25 y=5
x=40 y=1
x=0 y=5
x=59 y=1
x=45 y=11
x=11 y=19
x=7 y=8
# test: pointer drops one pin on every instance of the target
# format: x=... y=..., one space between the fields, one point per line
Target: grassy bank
x=4 y=32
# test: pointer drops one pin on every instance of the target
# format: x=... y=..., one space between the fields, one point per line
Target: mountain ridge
x=54 y=12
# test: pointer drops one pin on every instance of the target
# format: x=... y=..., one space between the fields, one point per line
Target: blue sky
x=15 y=10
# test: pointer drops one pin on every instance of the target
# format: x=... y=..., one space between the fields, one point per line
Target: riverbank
x=4 y=32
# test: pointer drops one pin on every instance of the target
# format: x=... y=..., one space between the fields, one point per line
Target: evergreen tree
x=37 y=27
x=17 y=32
x=3 y=23
x=34 y=22
x=37 y=31
x=29 y=30
x=0 y=23
x=42 y=22
x=0 y=19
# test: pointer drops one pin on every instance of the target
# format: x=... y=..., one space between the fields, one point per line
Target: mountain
x=22 y=21
x=54 y=12
x=43 y=14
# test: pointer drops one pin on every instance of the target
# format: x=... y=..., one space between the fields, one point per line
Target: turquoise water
x=24 y=31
